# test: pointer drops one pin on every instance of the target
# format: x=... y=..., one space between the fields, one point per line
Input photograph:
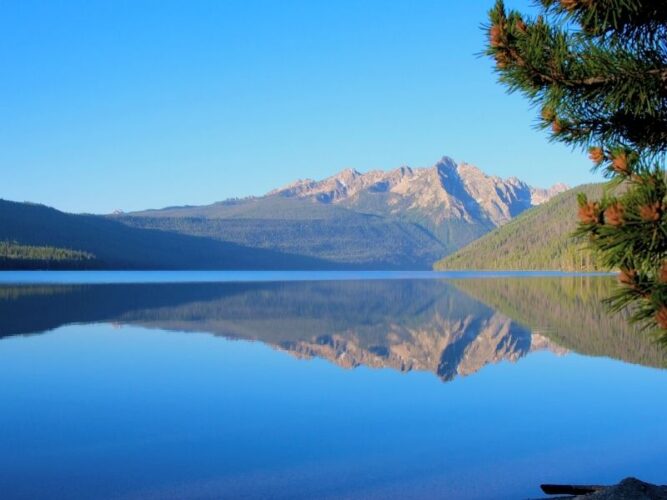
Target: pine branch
x=598 y=71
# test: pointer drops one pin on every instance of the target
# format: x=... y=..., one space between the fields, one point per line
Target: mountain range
x=405 y=218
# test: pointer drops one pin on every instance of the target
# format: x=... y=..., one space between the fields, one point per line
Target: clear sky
x=142 y=104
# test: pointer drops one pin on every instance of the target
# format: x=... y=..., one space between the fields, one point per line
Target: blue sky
x=135 y=104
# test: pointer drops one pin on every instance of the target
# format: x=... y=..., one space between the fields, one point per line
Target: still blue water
x=102 y=277
x=396 y=386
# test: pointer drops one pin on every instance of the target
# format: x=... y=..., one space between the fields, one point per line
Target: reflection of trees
x=570 y=312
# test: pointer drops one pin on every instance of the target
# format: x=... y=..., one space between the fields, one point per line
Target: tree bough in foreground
x=597 y=69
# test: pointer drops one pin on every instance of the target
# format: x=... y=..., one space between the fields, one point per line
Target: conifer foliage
x=597 y=70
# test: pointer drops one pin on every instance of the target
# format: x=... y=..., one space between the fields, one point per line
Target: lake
x=321 y=385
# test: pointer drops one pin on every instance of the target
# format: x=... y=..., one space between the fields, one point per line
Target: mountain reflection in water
x=450 y=328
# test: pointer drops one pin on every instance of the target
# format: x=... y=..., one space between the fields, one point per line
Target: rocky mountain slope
x=444 y=191
x=403 y=218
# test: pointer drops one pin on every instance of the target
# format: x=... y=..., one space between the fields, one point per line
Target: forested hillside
x=361 y=240
x=538 y=239
x=16 y=256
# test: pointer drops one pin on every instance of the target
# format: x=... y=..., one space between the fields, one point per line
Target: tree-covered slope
x=321 y=230
x=363 y=240
x=14 y=255
x=538 y=239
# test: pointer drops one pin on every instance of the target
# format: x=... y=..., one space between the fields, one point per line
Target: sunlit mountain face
x=448 y=328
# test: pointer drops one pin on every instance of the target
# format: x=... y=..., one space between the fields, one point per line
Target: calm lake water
x=321 y=385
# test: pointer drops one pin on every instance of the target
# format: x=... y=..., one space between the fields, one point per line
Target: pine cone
x=619 y=164
x=557 y=126
x=596 y=155
x=662 y=274
x=548 y=114
x=495 y=36
x=613 y=215
x=628 y=277
x=661 y=317
x=650 y=212
x=521 y=26
x=501 y=59
x=589 y=213
x=569 y=4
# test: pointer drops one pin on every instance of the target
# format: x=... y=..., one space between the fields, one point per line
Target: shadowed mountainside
x=33 y=234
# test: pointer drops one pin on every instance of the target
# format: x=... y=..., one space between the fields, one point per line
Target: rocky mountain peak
x=445 y=164
x=447 y=190
x=348 y=173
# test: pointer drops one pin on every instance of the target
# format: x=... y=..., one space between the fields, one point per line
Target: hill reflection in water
x=450 y=328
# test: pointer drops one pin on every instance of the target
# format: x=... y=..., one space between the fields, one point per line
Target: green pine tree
x=597 y=70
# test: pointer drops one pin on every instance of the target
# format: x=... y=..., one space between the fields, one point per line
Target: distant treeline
x=13 y=250
x=16 y=256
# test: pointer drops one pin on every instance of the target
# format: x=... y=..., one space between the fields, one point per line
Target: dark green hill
x=36 y=236
x=538 y=239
